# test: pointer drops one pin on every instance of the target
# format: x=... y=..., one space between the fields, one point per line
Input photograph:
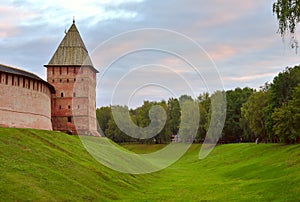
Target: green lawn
x=51 y=166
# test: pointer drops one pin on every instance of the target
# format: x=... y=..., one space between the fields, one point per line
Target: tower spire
x=73 y=19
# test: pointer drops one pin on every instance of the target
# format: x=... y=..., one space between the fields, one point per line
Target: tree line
x=271 y=114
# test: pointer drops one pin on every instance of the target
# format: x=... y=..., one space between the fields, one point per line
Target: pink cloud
x=12 y=17
x=222 y=52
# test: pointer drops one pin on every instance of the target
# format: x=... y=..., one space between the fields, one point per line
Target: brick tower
x=71 y=72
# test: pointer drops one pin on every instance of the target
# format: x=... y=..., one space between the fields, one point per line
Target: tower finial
x=73 y=19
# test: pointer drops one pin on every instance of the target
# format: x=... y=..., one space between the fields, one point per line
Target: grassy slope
x=48 y=166
x=42 y=165
x=236 y=172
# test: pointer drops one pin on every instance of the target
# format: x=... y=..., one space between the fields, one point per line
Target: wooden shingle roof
x=71 y=51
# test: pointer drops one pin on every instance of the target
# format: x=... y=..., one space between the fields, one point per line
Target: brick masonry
x=24 y=102
x=74 y=104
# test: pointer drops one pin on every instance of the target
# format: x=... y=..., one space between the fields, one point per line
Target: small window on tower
x=74 y=94
x=69 y=107
x=59 y=106
x=61 y=94
x=74 y=80
x=60 y=80
x=67 y=80
x=78 y=106
x=69 y=119
x=52 y=80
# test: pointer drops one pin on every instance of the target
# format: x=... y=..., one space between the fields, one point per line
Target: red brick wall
x=24 y=103
x=78 y=86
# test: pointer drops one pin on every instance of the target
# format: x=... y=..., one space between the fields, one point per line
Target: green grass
x=52 y=166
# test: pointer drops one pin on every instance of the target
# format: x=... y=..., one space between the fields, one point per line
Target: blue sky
x=239 y=36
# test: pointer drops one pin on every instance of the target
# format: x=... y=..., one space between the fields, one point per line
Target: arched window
x=61 y=94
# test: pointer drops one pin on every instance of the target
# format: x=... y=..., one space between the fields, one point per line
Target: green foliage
x=288 y=16
x=283 y=85
x=287 y=118
x=204 y=101
x=270 y=114
x=174 y=115
x=253 y=113
x=103 y=115
x=280 y=94
x=235 y=99
x=189 y=120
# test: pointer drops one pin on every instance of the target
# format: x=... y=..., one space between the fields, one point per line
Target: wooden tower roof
x=71 y=51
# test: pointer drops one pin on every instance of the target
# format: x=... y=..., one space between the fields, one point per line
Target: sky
x=151 y=49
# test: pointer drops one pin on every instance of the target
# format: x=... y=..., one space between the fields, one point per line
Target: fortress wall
x=24 y=102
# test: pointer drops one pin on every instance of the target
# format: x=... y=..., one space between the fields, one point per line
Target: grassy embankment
x=51 y=166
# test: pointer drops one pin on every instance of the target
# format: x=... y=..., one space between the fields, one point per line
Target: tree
x=204 y=109
x=164 y=136
x=103 y=115
x=288 y=16
x=280 y=92
x=287 y=118
x=174 y=115
x=235 y=99
x=113 y=132
x=253 y=112
x=189 y=119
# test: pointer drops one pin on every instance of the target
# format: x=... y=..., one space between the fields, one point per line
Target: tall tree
x=280 y=92
x=204 y=109
x=287 y=118
x=253 y=112
x=235 y=99
x=288 y=16
x=189 y=119
x=174 y=115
